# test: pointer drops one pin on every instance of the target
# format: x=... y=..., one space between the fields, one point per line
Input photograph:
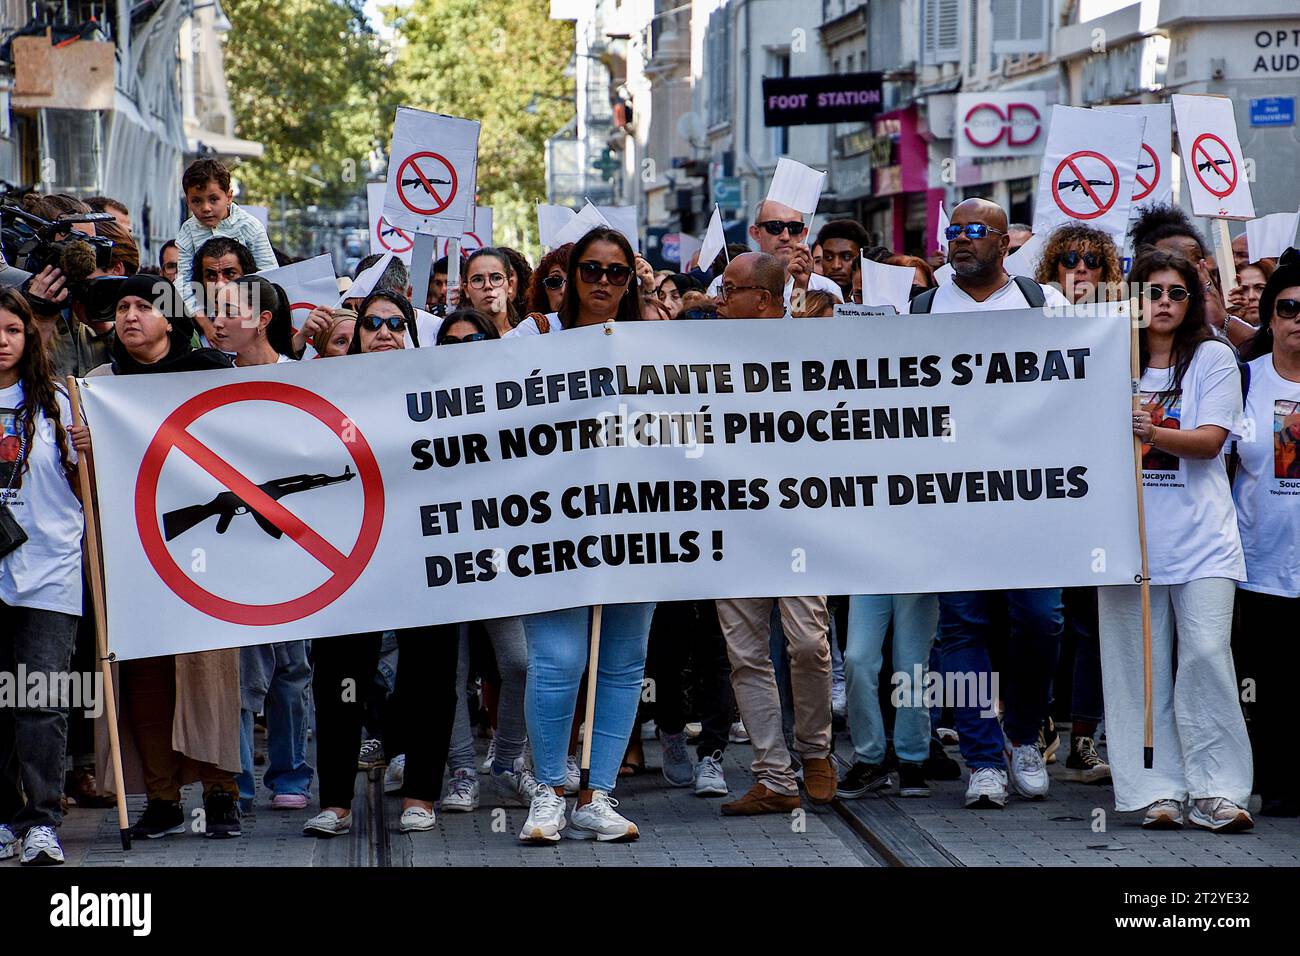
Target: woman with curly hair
x=546 y=288
x=1081 y=262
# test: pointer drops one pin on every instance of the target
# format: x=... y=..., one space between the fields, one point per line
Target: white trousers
x=1201 y=747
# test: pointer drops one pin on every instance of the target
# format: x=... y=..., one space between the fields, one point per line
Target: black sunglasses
x=1071 y=259
x=775 y=227
x=1176 y=293
x=472 y=337
x=1286 y=308
x=372 y=323
x=553 y=282
x=592 y=271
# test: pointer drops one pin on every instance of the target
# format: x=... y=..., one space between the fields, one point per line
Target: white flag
x=587 y=219
x=550 y=220
x=1269 y=236
x=623 y=218
x=687 y=246
x=940 y=233
x=796 y=185
x=715 y=240
x=365 y=283
x=883 y=284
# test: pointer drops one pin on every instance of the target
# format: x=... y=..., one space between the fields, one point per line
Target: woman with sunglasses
x=1202 y=754
x=425 y=694
x=1268 y=514
x=546 y=288
x=490 y=287
x=1081 y=262
x=601 y=287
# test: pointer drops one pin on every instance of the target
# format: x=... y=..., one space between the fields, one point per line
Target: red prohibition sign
x=1222 y=184
x=295 y=306
x=446 y=243
x=412 y=180
x=173 y=434
x=1147 y=186
x=379 y=230
x=1087 y=188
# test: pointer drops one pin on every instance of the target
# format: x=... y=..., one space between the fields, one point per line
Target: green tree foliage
x=308 y=80
x=502 y=62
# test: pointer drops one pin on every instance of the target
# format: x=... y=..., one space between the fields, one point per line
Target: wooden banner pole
x=593 y=685
x=1144 y=581
x=96 y=577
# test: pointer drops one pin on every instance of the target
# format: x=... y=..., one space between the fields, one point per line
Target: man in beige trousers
x=753 y=287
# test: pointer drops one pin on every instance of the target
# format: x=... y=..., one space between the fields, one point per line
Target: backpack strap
x=922 y=303
x=541 y=321
x=1031 y=290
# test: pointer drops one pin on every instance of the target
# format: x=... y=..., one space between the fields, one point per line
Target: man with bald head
x=779 y=231
x=977 y=244
x=752 y=287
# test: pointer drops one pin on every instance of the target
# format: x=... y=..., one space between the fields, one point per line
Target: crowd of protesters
x=1220 y=408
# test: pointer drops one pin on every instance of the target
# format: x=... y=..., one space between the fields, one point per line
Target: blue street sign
x=1273 y=111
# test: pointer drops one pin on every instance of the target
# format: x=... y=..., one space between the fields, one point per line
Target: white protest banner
x=687 y=247
x=1024 y=261
x=715 y=241
x=476 y=238
x=796 y=185
x=384 y=236
x=587 y=219
x=550 y=221
x=993 y=125
x=623 y=218
x=1269 y=236
x=1089 y=170
x=432 y=172
x=1213 y=166
x=941 y=231
x=375 y=492
x=1155 y=173
x=851 y=310
x=883 y=284
x=308 y=284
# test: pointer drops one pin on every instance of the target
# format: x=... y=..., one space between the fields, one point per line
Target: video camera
x=30 y=243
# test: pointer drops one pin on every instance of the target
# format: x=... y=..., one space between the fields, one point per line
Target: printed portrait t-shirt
x=1191 y=522
x=45 y=571
x=1267 y=488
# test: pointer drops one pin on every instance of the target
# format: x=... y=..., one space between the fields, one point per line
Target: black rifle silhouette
x=418 y=183
x=1205 y=166
x=1145 y=165
x=228 y=504
x=1077 y=184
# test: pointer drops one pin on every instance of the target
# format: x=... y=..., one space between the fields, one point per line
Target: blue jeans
x=915 y=617
x=557 y=655
x=1025 y=679
x=285 y=673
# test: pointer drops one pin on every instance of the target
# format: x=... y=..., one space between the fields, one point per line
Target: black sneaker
x=1083 y=765
x=911 y=781
x=222 y=816
x=161 y=818
x=939 y=766
x=861 y=779
x=371 y=756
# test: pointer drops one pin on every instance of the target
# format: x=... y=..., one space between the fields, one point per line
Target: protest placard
x=1089 y=170
x=432 y=173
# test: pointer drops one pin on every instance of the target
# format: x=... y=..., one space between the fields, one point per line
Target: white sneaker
x=738 y=734
x=395 y=775
x=987 y=788
x=545 y=817
x=416 y=818
x=8 y=842
x=598 y=820
x=1027 y=769
x=462 y=793
x=327 y=823
x=516 y=786
x=1213 y=813
x=709 y=781
x=41 y=848
x=486 y=765
x=572 y=775
x=1164 y=815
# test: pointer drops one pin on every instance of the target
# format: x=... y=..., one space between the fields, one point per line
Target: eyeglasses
x=1071 y=259
x=373 y=323
x=698 y=314
x=482 y=281
x=1286 y=308
x=591 y=273
x=473 y=337
x=553 y=282
x=727 y=291
x=775 y=227
x=973 y=230
x=1155 y=293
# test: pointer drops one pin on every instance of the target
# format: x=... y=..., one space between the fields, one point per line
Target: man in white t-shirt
x=779 y=231
x=968 y=620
